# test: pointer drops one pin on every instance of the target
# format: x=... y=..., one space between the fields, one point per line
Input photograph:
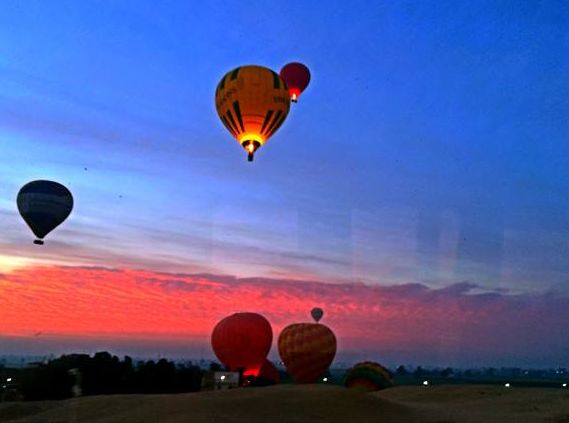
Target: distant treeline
x=485 y=372
x=103 y=374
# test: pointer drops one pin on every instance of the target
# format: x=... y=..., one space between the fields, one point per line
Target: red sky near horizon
x=402 y=323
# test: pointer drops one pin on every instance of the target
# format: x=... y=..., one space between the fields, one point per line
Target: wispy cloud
x=459 y=323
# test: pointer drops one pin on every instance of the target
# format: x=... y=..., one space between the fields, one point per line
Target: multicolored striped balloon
x=368 y=375
x=307 y=350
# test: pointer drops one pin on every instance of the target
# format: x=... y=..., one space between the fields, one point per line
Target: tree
x=106 y=374
x=447 y=372
x=401 y=371
x=215 y=367
x=419 y=372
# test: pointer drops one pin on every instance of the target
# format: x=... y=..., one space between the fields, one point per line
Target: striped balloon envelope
x=44 y=205
x=252 y=102
x=368 y=375
x=307 y=350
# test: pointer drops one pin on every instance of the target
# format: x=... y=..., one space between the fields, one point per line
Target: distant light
x=425 y=383
x=325 y=379
x=222 y=377
x=564 y=385
x=507 y=385
x=9 y=379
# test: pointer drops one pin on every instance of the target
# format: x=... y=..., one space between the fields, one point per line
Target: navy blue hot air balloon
x=317 y=314
x=44 y=205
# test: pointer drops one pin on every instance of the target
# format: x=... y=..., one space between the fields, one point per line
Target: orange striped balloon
x=252 y=102
x=307 y=350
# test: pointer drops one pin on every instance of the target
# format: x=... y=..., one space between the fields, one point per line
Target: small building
x=226 y=380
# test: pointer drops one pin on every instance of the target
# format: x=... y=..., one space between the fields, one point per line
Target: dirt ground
x=311 y=403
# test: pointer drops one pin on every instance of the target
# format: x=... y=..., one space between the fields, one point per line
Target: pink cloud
x=400 y=322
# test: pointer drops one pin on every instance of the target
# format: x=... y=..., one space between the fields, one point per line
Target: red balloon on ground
x=297 y=76
x=242 y=341
x=269 y=372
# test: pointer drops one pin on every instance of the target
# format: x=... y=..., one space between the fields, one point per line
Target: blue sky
x=431 y=145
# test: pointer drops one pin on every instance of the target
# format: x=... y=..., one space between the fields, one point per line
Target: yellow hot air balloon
x=252 y=102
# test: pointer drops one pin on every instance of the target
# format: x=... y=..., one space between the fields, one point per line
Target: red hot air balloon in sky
x=242 y=340
x=297 y=76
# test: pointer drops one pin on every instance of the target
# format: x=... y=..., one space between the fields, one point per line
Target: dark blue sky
x=431 y=146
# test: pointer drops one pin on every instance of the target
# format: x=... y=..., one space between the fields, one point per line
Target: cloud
x=459 y=323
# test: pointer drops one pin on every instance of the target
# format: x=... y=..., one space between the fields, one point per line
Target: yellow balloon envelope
x=252 y=102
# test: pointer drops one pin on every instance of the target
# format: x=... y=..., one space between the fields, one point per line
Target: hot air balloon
x=317 y=314
x=242 y=341
x=44 y=205
x=297 y=77
x=252 y=102
x=368 y=375
x=267 y=374
x=307 y=350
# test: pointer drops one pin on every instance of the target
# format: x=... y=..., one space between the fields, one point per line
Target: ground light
x=507 y=385
x=425 y=383
x=564 y=385
x=9 y=379
x=325 y=379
